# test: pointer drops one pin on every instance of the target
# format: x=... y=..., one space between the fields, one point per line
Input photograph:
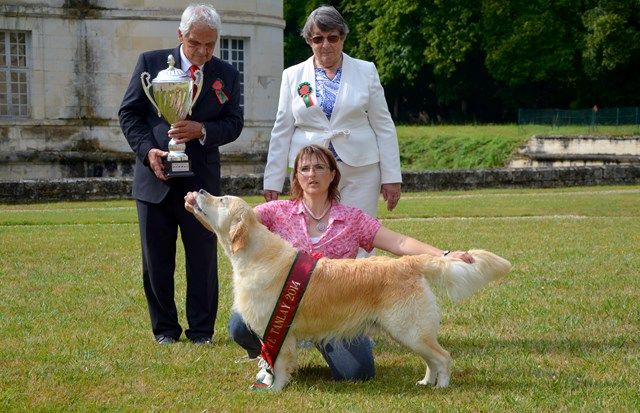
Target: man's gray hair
x=326 y=19
x=199 y=14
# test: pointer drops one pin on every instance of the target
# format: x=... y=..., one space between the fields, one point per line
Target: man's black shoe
x=201 y=341
x=164 y=340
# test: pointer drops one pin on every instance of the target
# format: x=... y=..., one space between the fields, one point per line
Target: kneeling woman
x=314 y=221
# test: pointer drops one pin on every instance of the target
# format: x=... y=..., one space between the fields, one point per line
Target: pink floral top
x=349 y=228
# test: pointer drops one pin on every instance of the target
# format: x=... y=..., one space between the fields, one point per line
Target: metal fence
x=588 y=117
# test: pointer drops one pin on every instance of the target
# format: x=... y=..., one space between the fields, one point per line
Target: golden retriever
x=344 y=297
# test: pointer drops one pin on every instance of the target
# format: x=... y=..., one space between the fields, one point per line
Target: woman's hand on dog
x=462 y=255
x=190 y=201
x=400 y=245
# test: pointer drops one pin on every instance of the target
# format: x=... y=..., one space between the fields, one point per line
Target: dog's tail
x=460 y=279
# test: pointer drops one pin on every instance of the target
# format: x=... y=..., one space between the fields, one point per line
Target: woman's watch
x=445 y=253
x=203 y=131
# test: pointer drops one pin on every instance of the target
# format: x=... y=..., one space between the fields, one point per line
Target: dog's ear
x=238 y=233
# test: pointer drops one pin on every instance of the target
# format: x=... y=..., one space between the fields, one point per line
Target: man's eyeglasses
x=319 y=169
x=332 y=38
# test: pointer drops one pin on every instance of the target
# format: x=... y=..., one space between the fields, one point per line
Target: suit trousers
x=159 y=224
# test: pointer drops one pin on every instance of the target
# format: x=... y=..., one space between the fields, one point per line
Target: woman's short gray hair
x=199 y=14
x=326 y=19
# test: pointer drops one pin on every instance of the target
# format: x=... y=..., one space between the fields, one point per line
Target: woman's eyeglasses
x=319 y=169
x=332 y=38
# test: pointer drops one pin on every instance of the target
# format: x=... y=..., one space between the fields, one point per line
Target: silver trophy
x=173 y=97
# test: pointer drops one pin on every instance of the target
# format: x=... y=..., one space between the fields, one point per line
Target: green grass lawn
x=479 y=146
x=560 y=333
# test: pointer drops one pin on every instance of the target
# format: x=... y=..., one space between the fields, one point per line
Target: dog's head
x=229 y=217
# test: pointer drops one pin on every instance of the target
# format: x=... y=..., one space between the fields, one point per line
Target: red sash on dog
x=287 y=305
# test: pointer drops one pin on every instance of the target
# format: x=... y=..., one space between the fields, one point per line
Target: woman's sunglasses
x=332 y=38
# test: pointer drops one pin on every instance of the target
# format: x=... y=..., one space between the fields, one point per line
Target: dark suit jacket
x=144 y=129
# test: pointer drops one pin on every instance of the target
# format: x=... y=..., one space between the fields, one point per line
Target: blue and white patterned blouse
x=327 y=89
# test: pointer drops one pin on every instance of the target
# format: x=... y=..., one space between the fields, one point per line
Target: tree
x=612 y=36
x=420 y=48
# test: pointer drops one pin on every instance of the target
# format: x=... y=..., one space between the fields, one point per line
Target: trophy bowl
x=172 y=94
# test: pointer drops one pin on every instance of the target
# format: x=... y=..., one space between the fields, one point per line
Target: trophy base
x=178 y=169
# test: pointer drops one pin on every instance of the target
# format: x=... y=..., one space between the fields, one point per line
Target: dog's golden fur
x=344 y=297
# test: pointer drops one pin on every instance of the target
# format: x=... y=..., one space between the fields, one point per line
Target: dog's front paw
x=264 y=380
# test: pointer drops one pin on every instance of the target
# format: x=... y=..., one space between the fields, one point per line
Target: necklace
x=320 y=226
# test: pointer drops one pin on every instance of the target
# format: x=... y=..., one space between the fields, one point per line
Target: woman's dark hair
x=321 y=154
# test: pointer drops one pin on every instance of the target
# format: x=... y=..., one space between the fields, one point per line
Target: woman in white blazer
x=336 y=101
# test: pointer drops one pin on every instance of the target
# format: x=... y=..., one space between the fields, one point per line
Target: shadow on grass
x=396 y=376
x=396 y=379
x=401 y=380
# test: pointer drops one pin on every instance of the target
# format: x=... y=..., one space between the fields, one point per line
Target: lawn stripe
x=400 y=219
x=64 y=210
x=532 y=194
x=69 y=224
x=404 y=197
x=505 y=218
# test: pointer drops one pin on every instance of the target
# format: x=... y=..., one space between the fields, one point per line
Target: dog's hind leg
x=415 y=324
x=438 y=363
x=285 y=365
x=438 y=360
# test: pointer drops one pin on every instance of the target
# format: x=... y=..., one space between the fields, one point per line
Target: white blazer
x=361 y=128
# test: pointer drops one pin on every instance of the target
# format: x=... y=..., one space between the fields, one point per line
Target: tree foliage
x=612 y=37
x=462 y=60
x=530 y=40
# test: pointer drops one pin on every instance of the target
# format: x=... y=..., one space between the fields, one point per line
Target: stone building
x=65 y=64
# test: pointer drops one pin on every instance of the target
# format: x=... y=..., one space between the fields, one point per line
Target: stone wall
x=560 y=151
x=32 y=191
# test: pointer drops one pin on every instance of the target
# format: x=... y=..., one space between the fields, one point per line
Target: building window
x=14 y=71
x=232 y=51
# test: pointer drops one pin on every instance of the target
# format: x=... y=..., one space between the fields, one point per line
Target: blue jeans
x=347 y=359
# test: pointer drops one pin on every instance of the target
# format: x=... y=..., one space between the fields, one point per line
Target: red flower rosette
x=304 y=90
x=218 y=86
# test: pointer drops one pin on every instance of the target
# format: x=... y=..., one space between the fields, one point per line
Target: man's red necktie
x=192 y=73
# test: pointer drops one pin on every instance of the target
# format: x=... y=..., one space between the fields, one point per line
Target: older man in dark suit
x=216 y=119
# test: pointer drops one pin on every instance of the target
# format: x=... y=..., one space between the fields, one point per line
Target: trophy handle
x=198 y=84
x=146 y=85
